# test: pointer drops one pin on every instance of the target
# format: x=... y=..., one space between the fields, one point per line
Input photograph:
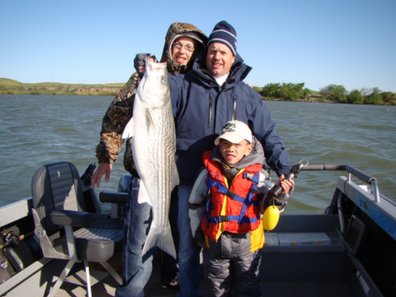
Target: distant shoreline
x=13 y=87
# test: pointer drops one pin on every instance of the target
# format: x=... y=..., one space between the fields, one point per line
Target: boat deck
x=294 y=264
x=104 y=286
x=307 y=289
x=309 y=263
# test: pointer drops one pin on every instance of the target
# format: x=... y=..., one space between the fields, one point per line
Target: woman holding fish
x=182 y=42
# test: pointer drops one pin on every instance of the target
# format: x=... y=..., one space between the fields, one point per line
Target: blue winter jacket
x=201 y=108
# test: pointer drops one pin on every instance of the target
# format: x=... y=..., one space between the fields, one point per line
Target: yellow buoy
x=270 y=217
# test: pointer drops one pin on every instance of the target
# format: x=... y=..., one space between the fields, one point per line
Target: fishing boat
x=347 y=250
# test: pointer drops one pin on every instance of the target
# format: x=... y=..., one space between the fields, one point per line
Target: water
x=35 y=130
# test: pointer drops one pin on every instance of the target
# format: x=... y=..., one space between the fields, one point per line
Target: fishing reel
x=275 y=196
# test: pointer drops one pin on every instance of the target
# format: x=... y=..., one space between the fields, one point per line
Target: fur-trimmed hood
x=177 y=30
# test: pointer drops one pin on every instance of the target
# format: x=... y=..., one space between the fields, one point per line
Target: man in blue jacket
x=204 y=100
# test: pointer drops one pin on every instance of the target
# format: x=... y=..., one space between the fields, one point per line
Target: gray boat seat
x=302 y=242
x=304 y=234
x=117 y=199
x=64 y=229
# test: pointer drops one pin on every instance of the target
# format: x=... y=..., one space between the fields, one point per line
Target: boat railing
x=367 y=197
x=351 y=171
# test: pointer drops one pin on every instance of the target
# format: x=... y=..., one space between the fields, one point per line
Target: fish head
x=154 y=87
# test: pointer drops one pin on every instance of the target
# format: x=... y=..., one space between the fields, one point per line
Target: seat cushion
x=96 y=244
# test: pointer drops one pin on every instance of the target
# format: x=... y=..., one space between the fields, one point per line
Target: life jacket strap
x=222 y=219
x=224 y=190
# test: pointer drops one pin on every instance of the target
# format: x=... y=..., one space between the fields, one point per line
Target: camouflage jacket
x=120 y=110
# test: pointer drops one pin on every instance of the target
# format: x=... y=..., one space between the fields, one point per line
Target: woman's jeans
x=136 y=270
x=189 y=251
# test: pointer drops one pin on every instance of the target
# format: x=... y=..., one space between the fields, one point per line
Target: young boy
x=225 y=199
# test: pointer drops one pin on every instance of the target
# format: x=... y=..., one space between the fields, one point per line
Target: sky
x=316 y=42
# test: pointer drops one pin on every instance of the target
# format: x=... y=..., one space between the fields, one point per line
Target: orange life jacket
x=232 y=208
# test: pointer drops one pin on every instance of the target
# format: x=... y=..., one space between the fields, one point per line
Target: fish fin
x=149 y=120
x=128 y=130
x=161 y=238
x=143 y=195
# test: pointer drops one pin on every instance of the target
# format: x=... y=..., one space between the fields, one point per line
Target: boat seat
x=309 y=233
x=302 y=242
x=117 y=199
x=304 y=256
x=64 y=229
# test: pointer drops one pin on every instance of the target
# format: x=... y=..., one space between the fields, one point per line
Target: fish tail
x=162 y=238
x=165 y=241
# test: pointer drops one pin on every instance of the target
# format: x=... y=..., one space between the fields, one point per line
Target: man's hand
x=103 y=169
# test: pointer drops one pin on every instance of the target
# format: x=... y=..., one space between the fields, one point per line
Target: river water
x=35 y=130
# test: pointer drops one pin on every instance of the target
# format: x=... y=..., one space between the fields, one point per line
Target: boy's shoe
x=170 y=283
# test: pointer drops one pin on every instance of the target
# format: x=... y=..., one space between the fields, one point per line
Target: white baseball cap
x=235 y=132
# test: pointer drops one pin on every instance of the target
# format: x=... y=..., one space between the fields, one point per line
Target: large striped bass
x=152 y=129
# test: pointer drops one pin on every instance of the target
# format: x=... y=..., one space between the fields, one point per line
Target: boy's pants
x=231 y=267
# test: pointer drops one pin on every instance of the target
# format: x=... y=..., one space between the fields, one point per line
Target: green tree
x=389 y=98
x=335 y=93
x=355 y=97
x=271 y=90
x=374 y=98
x=286 y=91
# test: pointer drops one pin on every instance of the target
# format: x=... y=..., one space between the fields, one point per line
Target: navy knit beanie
x=225 y=33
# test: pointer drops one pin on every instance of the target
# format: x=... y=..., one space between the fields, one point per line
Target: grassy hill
x=9 y=86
